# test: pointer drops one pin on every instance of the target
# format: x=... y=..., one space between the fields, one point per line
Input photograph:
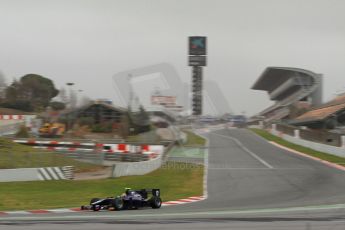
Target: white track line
x=206 y=153
x=246 y=150
x=334 y=165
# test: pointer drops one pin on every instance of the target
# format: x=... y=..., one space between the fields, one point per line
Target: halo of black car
x=131 y=199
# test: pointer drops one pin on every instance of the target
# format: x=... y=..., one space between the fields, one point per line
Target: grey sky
x=87 y=42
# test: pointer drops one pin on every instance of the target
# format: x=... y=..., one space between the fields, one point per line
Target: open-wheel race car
x=130 y=199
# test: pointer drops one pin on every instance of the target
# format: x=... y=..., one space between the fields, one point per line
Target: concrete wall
x=136 y=168
x=24 y=174
x=34 y=174
x=337 y=151
x=9 y=127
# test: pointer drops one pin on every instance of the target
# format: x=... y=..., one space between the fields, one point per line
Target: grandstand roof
x=272 y=77
x=333 y=107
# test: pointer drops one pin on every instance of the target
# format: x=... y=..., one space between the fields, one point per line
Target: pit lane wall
x=296 y=139
x=37 y=174
x=136 y=168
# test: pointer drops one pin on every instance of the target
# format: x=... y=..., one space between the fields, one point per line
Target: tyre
x=94 y=200
x=117 y=203
x=96 y=208
x=156 y=202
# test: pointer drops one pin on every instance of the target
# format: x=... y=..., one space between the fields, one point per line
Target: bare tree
x=3 y=86
x=73 y=100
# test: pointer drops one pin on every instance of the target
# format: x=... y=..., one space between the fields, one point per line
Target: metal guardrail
x=99 y=158
x=99 y=153
x=98 y=141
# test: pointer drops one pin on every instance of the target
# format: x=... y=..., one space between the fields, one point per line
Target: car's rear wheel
x=156 y=202
x=117 y=203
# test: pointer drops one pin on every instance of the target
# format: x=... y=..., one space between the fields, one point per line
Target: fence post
x=343 y=141
x=296 y=133
x=274 y=127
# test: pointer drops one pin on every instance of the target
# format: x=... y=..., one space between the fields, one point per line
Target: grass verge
x=193 y=139
x=309 y=151
x=176 y=181
x=13 y=155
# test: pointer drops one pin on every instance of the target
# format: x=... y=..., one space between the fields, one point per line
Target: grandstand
x=286 y=87
x=330 y=115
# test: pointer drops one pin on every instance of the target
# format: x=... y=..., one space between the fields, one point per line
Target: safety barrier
x=136 y=168
x=93 y=151
x=10 y=129
x=11 y=117
x=296 y=139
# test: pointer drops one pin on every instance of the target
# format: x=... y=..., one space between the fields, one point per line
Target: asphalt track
x=251 y=185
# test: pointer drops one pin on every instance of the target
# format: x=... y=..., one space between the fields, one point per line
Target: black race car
x=130 y=199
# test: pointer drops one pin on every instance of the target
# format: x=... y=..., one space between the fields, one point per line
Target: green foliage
x=139 y=121
x=176 y=181
x=22 y=105
x=88 y=121
x=32 y=88
x=57 y=105
x=104 y=127
x=22 y=132
x=124 y=126
x=193 y=139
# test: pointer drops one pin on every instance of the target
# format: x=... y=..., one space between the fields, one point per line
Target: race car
x=130 y=199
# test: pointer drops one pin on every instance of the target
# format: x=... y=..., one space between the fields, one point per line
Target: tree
x=3 y=86
x=57 y=105
x=22 y=132
x=124 y=126
x=19 y=105
x=141 y=120
x=33 y=89
x=73 y=100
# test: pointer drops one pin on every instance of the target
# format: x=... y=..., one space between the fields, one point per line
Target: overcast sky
x=87 y=42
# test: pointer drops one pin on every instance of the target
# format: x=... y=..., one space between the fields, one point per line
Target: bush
x=22 y=132
x=56 y=105
x=19 y=105
x=88 y=121
x=105 y=127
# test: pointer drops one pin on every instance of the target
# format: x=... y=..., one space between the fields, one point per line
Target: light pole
x=71 y=98
x=69 y=121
